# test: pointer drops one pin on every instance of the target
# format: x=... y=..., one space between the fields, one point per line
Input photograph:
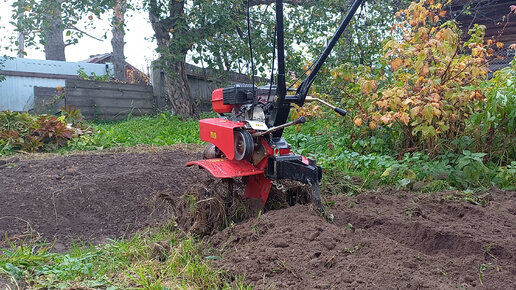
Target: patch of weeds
x=436 y=185
x=190 y=200
x=350 y=227
x=119 y=264
x=352 y=250
x=471 y=197
x=481 y=269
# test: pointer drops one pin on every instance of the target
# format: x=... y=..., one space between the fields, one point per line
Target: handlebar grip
x=340 y=111
x=300 y=120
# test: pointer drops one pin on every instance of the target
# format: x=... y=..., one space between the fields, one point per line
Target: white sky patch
x=139 y=47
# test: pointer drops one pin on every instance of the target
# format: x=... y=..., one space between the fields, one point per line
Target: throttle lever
x=297 y=121
x=338 y=110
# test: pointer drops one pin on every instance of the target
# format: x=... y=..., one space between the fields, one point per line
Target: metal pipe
x=307 y=83
x=299 y=120
x=281 y=88
x=340 y=111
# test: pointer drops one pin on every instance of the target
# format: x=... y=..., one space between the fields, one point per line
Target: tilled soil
x=385 y=240
x=380 y=240
x=90 y=197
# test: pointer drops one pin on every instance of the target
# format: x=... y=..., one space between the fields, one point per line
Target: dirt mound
x=90 y=197
x=378 y=240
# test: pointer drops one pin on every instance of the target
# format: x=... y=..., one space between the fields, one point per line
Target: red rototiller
x=246 y=139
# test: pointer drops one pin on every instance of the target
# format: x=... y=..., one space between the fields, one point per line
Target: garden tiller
x=246 y=139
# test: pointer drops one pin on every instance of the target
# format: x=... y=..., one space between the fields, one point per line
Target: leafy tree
x=47 y=22
x=215 y=34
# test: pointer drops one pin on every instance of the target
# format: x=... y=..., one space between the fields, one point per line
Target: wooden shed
x=499 y=17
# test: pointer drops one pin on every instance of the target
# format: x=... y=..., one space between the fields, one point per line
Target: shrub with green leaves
x=24 y=132
x=493 y=129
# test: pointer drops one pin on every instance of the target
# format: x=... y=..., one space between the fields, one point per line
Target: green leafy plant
x=83 y=75
x=494 y=127
x=471 y=167
x=73 y=116
x=52 y=130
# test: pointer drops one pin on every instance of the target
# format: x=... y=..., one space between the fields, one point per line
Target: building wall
x=22 y=75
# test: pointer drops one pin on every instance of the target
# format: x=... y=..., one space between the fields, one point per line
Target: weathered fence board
x=109 y=101
x=113 y=113
x=87 y=84
x=47 y=100
x=79 y=93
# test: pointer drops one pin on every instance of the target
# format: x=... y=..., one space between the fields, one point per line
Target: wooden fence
x=112 y=101
x=109 y=101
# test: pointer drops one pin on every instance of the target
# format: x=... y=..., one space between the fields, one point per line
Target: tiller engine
x=246 y=139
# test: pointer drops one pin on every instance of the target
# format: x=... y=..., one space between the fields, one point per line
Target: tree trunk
x=52 y=32
x=117 y=42
x=173 y=56
x=21 y=30
x=179 y=91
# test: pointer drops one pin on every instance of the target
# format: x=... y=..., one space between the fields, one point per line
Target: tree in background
x=117 y=41
x=53 y=23
x=47 y=22
x=215 y=34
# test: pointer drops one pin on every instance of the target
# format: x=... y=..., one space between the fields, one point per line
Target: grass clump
x=163 y=129
x=162 y=260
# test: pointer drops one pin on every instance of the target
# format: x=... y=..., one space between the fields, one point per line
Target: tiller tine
x=256 y=193
x=316 y=196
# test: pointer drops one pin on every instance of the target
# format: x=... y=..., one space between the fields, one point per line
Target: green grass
x=160 y=130
x=161 y=260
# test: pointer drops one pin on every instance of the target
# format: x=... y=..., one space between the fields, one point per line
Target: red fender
x=258 y=186
x=225 y=168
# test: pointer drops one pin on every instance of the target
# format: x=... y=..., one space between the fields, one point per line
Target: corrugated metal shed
x=22 y=75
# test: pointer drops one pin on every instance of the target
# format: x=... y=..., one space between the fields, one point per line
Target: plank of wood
x=104 y=102
x=36 y=75
x=80 y=93
x=107 y=85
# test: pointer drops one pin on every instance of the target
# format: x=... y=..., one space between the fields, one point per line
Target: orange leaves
x=435 y=79
x=446 y=34
x=358 y=122
x=404 y=118
x=372 y=125
x=387 y=118
x=499 y=44
x=368 y=86
x=396 y=63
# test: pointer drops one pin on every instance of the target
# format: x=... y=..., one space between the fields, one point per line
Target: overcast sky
x=139 y=49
